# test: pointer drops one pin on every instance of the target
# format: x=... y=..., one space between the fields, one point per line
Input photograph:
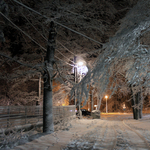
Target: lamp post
x=80 y=66
x=79 y=69
x=106 y=103
x=75 y=78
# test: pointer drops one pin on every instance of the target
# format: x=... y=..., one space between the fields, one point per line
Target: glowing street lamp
x=80 y=63
x=81 y=69
x=106 y=103
x=95 y=107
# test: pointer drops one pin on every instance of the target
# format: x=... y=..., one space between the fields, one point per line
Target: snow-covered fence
x=63 y=112
x=11 y=116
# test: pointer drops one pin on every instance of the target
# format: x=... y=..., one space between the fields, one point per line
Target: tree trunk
x=133 y=103
x=141 y=105
x=137 y=111
x=48 y=126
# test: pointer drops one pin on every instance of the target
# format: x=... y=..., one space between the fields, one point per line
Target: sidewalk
x=55 y=141
x=58 y=140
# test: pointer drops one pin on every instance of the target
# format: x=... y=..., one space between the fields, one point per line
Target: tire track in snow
x=103 y=136
x=141 y=136
x=128 y=138
x=93 y=138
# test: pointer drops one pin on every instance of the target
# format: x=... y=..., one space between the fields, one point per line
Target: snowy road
x=109 y=133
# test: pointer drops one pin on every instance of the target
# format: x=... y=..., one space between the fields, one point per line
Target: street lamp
x=95 y=107
x=80 y=63
x=80 y=70
x=106 y=103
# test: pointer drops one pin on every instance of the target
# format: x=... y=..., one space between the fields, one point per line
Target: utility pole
x=106 y=103
x=76 y=81
x=75 y=78
x=91 y=100
x=106 y=106
x=39 y=89
x=48 y=126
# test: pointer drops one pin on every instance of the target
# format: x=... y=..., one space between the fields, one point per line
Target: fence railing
x=11 y=116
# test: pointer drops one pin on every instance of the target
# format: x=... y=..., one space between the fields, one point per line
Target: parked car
x=85 y=112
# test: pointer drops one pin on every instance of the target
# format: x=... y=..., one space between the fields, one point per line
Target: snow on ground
x=111 y=132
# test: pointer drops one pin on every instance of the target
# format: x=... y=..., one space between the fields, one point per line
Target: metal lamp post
x=79 y=64
x=75 y=78
x=79 y=69
x=106 y=103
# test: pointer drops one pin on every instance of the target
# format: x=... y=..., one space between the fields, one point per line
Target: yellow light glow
x=63 y=104
x=106 y=96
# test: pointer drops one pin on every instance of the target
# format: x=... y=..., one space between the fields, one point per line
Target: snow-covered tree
x=127 y=53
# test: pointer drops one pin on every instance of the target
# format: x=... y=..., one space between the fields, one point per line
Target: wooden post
x=48 y=126
x=39 y=93
x=38 y=114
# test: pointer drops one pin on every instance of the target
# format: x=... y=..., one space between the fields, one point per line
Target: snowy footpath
x=111 y=132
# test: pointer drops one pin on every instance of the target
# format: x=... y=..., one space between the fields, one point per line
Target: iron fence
x=11 y=116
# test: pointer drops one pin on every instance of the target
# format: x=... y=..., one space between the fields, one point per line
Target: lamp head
x=106 y=96
x=80 y=63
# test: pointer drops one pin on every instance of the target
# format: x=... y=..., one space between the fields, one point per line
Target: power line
x=34 y=27
x=22 y=31
x=58 y=23
x=77 y=14
x=78 y=32
x=66 y=48
x=64 y=55
x=42 y=35
x=29 y=36
x=64 y=61
x=46 y=39
x=31 y=9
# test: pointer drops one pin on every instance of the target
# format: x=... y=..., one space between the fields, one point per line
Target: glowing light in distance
x=106 y=96
x=80 y=63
